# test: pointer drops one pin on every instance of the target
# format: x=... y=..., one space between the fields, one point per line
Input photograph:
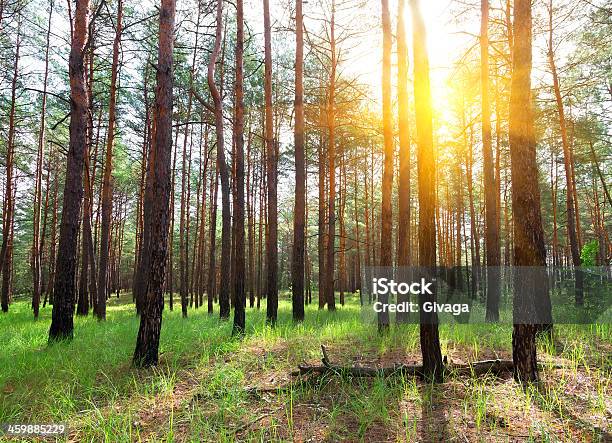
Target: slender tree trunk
x=271 y=160
x=224 y=292
x=321 y=225
x=212 y=262
x=404 y=140
x=330 y=262
x=433 y=366
x=8 y=213
x=386 y=216
x=36 y=239
x=240 y=265
x=157 y=200
x=64 y=289
x=491 y=219
x=299 y=220
x=107 y=185
x=567 y=162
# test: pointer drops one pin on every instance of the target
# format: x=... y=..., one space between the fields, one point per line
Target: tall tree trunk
x=528 y=232
x=271 y=160
x=321 y=225
x=224 y=301
x=299 y=221
x=567 y=162
x=330 y=261
x=403 y=228
x=8 y=212
x=36 y=238
x=107 y=185
x=239 y=252
x=64 y=289
x=157 y=199
x=491 y=220
x=212 y=262
x=426 y=166
x=386 y=216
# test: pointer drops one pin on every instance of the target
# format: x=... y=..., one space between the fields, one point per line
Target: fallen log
x=399 y=369
x=477 y=368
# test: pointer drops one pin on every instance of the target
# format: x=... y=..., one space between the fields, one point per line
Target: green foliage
x=589 y=253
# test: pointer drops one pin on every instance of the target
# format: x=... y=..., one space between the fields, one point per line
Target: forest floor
x=212 y=388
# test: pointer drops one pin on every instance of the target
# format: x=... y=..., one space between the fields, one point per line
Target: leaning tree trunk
x=157 y=201
x=426 y=167
x=65 y=269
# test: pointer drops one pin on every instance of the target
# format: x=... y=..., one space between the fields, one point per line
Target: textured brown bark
x=238 y=327
x=321 y=225
x=299 y=216
x=212 y=261
x=570 y=194
x=330 y=260
x=271 y=170
x=64 y=288
x=490 y=188
x=386 y=215
x=107 y=185
x=37 y=250
x=146 y=144
x=156 y=201
x=224 y=289
x=184 y=217
x=403 y=228
x=8 y=211
x=528 y=233
x=342 y=278
x=433 y=366
x=53 y=242
x=251 y=184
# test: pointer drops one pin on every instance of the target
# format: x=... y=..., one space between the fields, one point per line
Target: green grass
x=197 y=393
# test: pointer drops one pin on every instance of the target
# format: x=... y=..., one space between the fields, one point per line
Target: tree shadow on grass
x=433 y=426
x=564 y=413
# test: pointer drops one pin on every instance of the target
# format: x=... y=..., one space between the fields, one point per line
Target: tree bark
x=271 y=160
x=570 y=195
x=156 y=203
x=107 y=185
x=299 y=221
x=330 y=260
x=239 y=251
x=36 y=238
x=64 y=288
x=433 y=367
x=224 y=294
x=386 y=215
x=491 y=220
x=528 y=232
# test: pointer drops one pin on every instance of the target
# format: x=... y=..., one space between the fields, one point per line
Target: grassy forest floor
x=203 y=387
